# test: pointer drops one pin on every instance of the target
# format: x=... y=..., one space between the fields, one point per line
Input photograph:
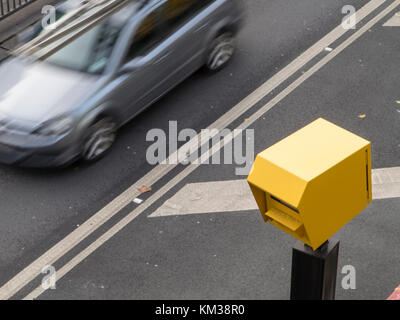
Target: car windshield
x=89 y=52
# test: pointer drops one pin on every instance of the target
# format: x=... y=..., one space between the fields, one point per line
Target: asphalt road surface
x=117 y=250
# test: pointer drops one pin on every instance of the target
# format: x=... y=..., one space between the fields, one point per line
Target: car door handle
x=162 y=58
x=202 y=27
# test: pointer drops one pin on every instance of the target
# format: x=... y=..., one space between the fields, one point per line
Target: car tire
x=221 y=52
x=99 y=139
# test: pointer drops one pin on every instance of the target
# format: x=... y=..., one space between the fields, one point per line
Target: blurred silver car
x=66 y=90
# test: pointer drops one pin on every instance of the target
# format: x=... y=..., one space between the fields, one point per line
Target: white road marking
x=386 y=183
x=115 y=229
x=73 y=239
x=208 y=197
x=235 y=195
x=394 y=21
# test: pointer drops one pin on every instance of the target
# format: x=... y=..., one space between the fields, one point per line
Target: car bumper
x=37 y=153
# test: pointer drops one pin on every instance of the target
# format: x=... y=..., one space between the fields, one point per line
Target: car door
x=164 y=50
x=186 y=23
x=149 y=58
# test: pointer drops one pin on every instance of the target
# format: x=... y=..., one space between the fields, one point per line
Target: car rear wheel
x=221 y=52
x=101 y=136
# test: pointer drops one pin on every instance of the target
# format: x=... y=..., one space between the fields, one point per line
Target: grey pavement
x=237 y=256
x=220 y=255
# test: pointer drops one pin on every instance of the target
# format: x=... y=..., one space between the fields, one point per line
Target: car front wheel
x=101 y=136
x=221 y=52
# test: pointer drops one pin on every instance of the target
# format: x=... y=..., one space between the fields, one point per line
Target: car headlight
x=55 y=127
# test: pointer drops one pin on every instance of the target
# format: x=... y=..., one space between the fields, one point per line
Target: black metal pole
x=314 y=272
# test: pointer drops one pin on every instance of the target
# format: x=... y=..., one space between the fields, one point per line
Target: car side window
x=181 y=11
x=103 y=48
x=147 y=36
x=178 y=12
x=162 y=22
